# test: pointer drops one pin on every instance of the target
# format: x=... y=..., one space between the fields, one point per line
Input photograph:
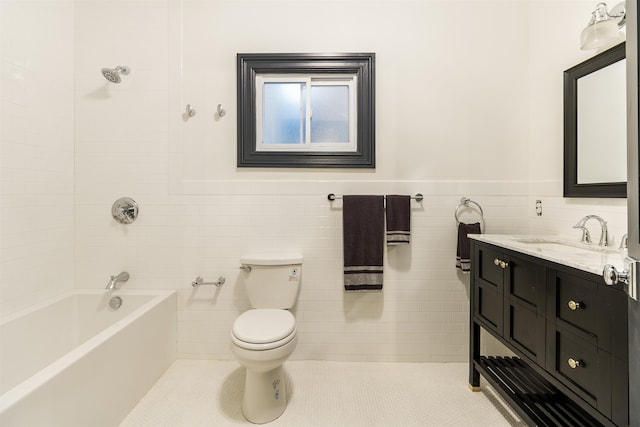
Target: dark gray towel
x=363 y=240
x=463 y=253
x=398 y=219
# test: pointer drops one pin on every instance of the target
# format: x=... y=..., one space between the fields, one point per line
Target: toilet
x=263 y=337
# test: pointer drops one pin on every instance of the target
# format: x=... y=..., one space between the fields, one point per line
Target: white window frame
x=349 y=80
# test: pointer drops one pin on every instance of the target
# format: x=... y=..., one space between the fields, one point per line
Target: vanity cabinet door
x=524 y=307
x=488 y=284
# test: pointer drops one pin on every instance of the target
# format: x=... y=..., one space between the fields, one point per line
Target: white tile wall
x=422 y=314
x=36 y=151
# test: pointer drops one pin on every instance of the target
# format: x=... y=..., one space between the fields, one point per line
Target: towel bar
x=464 y=203
x=418 y=197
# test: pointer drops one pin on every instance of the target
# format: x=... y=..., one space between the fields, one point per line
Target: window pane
x=283 y=113
x=330 y=113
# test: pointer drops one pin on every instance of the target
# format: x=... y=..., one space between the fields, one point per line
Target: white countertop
x=590 y=258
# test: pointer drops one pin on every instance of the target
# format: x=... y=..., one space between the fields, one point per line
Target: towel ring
x=464 y=203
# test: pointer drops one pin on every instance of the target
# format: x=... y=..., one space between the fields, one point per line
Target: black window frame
x=360 y=64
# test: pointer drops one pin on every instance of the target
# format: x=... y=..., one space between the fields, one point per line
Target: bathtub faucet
x=122 y=277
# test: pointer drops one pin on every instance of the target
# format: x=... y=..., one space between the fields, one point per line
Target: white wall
x=465 y=107
x=36 y=151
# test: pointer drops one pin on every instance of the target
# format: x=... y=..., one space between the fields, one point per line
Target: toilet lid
x=264 y=325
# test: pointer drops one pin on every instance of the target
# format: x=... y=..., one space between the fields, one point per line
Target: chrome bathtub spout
x=122 y=277
x=604 y=232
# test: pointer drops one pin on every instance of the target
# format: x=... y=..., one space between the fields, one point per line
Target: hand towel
x=363 y=240
x=463 y=255
x=398 y=220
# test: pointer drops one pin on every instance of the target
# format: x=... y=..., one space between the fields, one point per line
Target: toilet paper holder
x=200 y=281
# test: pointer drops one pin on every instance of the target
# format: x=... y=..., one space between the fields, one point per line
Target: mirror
x=595 y=126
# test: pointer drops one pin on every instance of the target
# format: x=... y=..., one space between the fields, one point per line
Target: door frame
x=633 y=200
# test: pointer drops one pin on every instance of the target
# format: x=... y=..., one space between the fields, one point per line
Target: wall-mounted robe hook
x=190 y=111
x=221 y=111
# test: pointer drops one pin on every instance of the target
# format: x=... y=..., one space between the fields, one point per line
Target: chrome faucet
x=586 y=237
x=122 y=277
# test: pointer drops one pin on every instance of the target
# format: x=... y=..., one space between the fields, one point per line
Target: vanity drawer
x=577 y=302
x=584 y=369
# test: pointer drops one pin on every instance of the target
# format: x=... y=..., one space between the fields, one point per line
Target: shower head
x=113 y=75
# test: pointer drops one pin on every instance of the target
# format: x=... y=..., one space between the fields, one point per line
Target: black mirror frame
x=360 y=64
x=571 y=76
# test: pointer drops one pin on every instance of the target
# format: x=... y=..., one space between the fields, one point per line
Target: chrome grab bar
x=200 y=281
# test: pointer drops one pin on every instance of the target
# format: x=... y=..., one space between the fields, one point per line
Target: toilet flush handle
x=246 y=268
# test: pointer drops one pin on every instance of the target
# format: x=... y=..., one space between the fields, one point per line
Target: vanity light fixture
x=604 y=27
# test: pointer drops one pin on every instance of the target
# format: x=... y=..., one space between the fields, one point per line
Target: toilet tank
x=273 y=280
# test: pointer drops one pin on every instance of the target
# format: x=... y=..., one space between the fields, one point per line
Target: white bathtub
x=74 y=361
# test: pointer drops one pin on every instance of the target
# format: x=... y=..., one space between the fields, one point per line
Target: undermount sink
x=551 y=243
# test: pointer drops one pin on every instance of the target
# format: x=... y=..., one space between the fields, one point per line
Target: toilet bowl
x=262 y=340
x=264 y=337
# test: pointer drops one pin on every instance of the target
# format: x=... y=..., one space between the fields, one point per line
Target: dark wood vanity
x=568 y=331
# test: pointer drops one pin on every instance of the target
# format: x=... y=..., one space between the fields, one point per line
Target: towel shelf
x=464 y=203
x=418 y=197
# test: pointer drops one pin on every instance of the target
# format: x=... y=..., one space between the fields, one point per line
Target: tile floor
x=208 y=393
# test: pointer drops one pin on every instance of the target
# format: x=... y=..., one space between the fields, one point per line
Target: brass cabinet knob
x=500 y=263
x=573 y=363
x=573 y=305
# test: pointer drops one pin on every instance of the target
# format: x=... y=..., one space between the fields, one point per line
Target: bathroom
x=468 y=103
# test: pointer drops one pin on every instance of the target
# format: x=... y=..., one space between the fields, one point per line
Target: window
x=305 y=113
x=306 y=110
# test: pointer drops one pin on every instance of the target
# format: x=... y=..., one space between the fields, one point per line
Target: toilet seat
x=263 y=329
